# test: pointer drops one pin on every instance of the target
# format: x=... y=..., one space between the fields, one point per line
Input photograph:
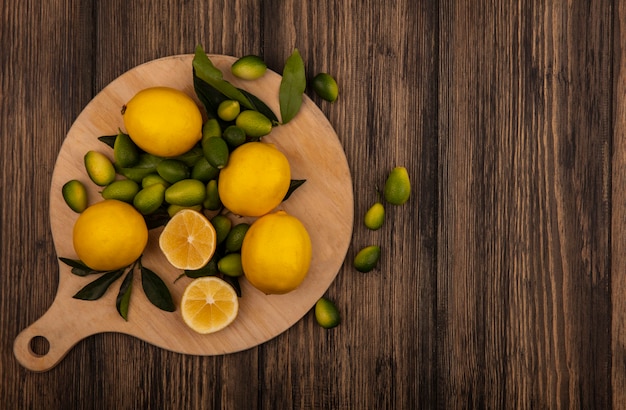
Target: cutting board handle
x=56 y=327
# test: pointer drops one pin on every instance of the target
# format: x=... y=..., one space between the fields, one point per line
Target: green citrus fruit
x=253 y=123
x=99 y=168
x=122 y=190
x=75 y=195
x=174 y=209
x=149 y=199
x=152 y=179
x=204 y=171
x=230 y=265
x=228 y=110
x=326 y=87
x=125 y=152
x=235 y=237
x=234 y=136
x=216 y=151
x=249 y=67
x=367 y=258
x=327 y=314
x=397 y=186
x=212 y=200
x=222 y=227
x=173 y=170
x=375 y=216
x=187 y=192
x=211 y=128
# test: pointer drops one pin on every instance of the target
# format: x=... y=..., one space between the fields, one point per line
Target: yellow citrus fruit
x=256 y=179
x=188 y=240
x=163 y=121
x=209 y=304
x=276 y=253
x=109 y=235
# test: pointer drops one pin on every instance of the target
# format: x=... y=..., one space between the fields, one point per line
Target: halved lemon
x=188 y=240
x=209 y=304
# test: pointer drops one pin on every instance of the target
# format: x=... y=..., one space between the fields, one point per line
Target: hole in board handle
x=39 y=346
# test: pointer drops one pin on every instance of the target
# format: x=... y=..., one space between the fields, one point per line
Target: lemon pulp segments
x=209 y=304
x=188 y=240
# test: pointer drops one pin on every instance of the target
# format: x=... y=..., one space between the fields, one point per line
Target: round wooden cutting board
x=324 y=204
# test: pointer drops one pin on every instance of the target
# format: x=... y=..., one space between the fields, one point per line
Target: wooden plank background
x=502 y=281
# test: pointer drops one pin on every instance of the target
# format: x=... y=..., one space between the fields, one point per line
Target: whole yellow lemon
x=163 y=121
x=255 y=180
x=276 y=253
x=109 y=235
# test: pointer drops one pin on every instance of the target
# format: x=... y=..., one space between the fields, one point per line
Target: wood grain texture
x=525 y=115
x=501 y=282
x=618 y=220
x=388 y=118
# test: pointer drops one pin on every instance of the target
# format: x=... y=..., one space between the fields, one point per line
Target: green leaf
x=147 y=165
x=123 y=297
x=206 y=71
x=148 y=161
x=108 y=139
x=292 y=87
x=191 y=157
x=209 y=97
x=234 y=282
x=157 y=219
x=212 y=89
x=293 y=185
x=74 y=263
x=210 y=269
x=261 y=107
x=84 y=272
x=156 y=291
x=98 y=287
x=78 y=267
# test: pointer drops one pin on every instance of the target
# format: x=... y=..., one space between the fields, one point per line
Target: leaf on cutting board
x=94 y=290
x=292 y=87
x=123 y=297
x=78 y=267
x=207 y=72
x=156 y=291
